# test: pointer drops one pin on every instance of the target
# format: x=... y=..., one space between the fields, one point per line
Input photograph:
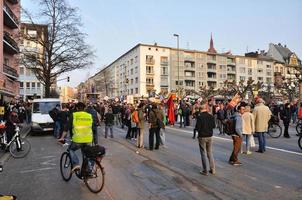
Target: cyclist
x=81 y=123
x=13 y=119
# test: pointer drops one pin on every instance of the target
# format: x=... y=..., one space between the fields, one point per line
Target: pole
x=177 y=36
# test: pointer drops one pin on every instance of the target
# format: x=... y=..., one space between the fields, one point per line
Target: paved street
x=168 y=173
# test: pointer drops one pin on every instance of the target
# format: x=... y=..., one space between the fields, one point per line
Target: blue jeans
x=261 y=141
x=56 y=130
x=247 y=142
x=73 y=148
x=106 y=130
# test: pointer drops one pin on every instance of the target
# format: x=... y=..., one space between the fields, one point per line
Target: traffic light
x=67 y=78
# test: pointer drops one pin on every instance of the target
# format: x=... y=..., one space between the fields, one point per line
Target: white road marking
x=277 y=186
x=48 y=162
x=230 y=140
x=35 y=170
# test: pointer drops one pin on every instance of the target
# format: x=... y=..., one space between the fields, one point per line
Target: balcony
x=10 y=18
x=165 y=63
x=231 y=62
x=211 y=61
x=211 y=68
x=190 y=65
x=189 y=59
x=9 y=44
x=10 y=72
x=150 y=61
x=13 y=1
x=231 y=70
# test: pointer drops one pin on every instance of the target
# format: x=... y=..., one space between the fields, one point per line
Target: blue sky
x=115 y=26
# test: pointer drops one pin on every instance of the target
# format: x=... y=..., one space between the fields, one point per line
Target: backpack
x=159 y=123
x=230 y=125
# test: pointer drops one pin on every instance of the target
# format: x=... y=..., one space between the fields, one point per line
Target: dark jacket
x=285 y=115
x=221 y=114
x=205 y=124
x=94 y=114
x=153 y=116
x=109 y=119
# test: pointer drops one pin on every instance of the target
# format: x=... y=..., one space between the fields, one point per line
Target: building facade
x=66 y=94
x=9 y=50
x=30 y=86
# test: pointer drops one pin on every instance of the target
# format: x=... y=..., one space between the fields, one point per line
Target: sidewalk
x=25 y=130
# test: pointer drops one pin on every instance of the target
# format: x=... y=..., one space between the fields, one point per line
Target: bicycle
x=274 y=129
x=18 y=147
x=299 y=127
x=91 y=171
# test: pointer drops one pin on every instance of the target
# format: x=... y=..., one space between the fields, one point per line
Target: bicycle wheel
x=300 y=142
x=299 y=128
x=95 y=179
x=19 y=148
x=65 y=166
x=275 y=130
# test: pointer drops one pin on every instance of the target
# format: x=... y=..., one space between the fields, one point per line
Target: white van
x=41 y=121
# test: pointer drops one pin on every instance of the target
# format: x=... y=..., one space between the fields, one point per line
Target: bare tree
x=64 y=44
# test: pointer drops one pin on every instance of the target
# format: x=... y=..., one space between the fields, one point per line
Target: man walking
x=262 y=115
x=109 y=121
x=205 y=125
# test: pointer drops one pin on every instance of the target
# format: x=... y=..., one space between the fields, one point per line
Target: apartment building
x=33 y=35
x=66 y=94
x=9 y=50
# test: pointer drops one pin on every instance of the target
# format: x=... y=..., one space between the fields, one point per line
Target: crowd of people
x=248 y=119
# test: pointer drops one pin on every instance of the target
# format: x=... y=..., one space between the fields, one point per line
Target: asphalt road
x=168 y=173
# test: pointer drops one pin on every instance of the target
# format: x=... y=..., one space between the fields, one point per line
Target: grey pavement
x=168 y=173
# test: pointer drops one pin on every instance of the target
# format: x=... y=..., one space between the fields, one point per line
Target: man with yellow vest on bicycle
x=81 y=123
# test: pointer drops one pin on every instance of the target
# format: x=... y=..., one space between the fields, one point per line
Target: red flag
x=170 y=105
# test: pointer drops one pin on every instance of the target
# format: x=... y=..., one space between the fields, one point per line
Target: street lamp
x=177 y=36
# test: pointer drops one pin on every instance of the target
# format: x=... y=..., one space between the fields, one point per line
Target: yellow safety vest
x=82 y=127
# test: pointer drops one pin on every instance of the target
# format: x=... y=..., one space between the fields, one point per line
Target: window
x=268 y=73
x=249 y=63
x=190 y=83
x=21 y=85
x=241 y=61
x=242 y=70
x=38 y=85
x=6 y=61
x=269 y=80
x=27 y=72
x=163 y=59
x=260 y=70
x=131 y=91
x=149 y=81
x=222 y=76
x=131 y=61
x=131 y=81
x=164 y=70
x=131 y=71
x=21 y=70
x=149 y=69
x=260 y=78
x=149 y=59
x=211 y=57
x=135 y=59
x=268 y=66
x=222 y=67
x=33 y=85
x=136 y=69
x=27 y=85
x=136 y=80
x=136 y=90
x=250 y=71
x=260 y=62
x=242 y=78
x=180 y=82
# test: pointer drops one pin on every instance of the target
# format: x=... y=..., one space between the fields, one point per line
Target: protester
x=205 y=125
x=262 y=115
x=195 y=116
x=237 y=136
x=285 y=115
x=134 y=121
x=140 y=126
x=154 y=117
x=248 y=128
x=11 y=123
x=221 y=115
x=90 y=109
x=162 y=131
x=109 y=121
x=64 y=124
